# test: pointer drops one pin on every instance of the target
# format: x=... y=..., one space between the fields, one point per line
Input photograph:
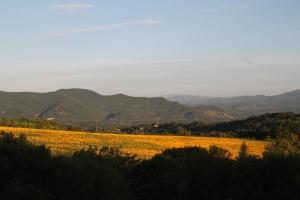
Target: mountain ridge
x=245 y=106
x=82 y=105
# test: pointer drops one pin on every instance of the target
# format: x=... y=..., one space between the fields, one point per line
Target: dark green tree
x=244 y=151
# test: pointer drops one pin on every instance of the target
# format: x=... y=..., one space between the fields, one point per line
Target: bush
x=31 y=172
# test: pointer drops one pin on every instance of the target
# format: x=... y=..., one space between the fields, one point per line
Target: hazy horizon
x=163 y=95
x=157 y=48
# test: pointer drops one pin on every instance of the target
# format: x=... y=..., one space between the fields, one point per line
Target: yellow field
x=144 y=146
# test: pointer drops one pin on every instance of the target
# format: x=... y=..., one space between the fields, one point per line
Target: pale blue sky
x=151 y=47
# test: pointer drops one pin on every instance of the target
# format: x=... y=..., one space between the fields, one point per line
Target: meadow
x=143 y=146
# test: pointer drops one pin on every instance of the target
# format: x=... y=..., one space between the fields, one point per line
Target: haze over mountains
x=245 y=106
x=79 y=105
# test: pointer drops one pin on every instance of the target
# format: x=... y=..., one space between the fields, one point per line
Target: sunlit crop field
x=144 y=146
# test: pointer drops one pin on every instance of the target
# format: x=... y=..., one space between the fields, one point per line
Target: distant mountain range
x=85 y=106
x=245 y=106
x=79 y=105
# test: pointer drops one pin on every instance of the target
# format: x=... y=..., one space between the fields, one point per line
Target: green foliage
x=181 y=131
x=284 y=146
x=27 y=123
x=219 y=152
x=244 y=151
x=194 y=173
x=31 y=172
x=267 y=126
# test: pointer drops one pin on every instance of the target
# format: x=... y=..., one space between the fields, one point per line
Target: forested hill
x=274 y=125
x=79 y=105
x=246 y=106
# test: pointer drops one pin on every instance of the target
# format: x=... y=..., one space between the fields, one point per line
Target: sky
x=151 y=48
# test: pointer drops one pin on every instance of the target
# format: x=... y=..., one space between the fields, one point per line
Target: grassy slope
x=144 y=146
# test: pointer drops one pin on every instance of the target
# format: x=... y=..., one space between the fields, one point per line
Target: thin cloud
x=225 y=8
x=107 y=27
x=290 y=33
x=70 y=7
x=206 y=64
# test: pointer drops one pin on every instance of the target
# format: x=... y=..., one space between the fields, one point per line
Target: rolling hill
x=245 y=106
x=79 y=105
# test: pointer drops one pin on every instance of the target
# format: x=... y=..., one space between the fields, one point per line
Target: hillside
x=266 y=126
x=245 y=106
x=79 y=105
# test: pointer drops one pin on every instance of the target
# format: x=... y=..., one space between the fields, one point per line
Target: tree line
x=36 y=124
x=267 y=126
x=28 y=171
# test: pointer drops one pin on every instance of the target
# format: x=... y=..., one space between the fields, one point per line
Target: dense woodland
x=36 y=124
x=27 y=123
x=32 y=172
x=267 y=126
